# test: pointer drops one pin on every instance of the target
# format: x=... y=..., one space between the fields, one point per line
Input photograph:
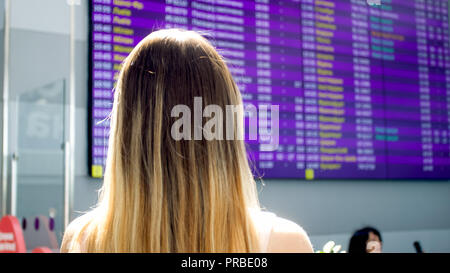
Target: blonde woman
x=166 y=195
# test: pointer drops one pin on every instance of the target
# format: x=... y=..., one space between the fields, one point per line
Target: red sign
x=42 y=250
x=11 y=236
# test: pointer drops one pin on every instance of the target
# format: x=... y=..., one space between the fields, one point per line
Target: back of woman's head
x=162 y=193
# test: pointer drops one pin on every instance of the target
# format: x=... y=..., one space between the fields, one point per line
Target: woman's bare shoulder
x=288 y=236
x=73 y=228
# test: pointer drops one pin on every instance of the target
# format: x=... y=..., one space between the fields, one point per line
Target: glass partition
x=38 y=72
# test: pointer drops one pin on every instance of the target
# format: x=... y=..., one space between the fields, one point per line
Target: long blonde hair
x=163 y=195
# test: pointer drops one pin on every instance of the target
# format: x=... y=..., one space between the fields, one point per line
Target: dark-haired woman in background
x=366 y=240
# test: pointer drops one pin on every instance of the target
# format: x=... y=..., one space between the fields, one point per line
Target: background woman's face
x=373 y=243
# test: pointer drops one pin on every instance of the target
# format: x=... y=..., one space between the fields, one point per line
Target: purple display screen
x=363 y=89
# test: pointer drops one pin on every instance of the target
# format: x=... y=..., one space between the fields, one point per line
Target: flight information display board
x=363 y=89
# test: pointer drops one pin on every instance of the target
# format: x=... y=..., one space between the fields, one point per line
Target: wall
x=331 y=210
x=328 y=210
